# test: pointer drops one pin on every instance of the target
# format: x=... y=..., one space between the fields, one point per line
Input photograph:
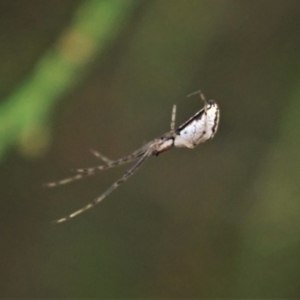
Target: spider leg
x=114 y=163
x=129 y=173
x=91 y=171
x=204 y=100
x=66 y=180
x=202 y=96
x=101 y=156
x=199 y=92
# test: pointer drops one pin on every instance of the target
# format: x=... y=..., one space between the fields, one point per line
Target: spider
x=196 y=130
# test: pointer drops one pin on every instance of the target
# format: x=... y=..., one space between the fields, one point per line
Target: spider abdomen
x=200 y=128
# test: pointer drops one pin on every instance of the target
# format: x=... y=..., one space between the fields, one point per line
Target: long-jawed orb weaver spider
x=196 y=130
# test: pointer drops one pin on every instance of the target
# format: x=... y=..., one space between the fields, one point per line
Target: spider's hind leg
x=202 y=96
x=204 y=100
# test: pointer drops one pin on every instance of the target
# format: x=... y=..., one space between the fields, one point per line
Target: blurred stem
x=25 y=113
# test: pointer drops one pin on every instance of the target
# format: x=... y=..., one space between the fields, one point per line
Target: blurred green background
x=219 y=221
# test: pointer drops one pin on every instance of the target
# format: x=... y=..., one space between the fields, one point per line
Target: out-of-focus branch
x=24 y=115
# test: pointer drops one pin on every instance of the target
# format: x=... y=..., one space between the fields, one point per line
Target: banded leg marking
x=101 y=156
x=84 y=172
x=113 y=163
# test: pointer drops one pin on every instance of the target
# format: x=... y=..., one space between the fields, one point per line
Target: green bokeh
x=25 y=114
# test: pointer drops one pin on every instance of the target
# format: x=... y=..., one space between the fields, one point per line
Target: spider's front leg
x=84 y=172
x=101 y=156
x=127 y=174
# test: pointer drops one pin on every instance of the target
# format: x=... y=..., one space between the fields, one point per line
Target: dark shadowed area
x=221 y=220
